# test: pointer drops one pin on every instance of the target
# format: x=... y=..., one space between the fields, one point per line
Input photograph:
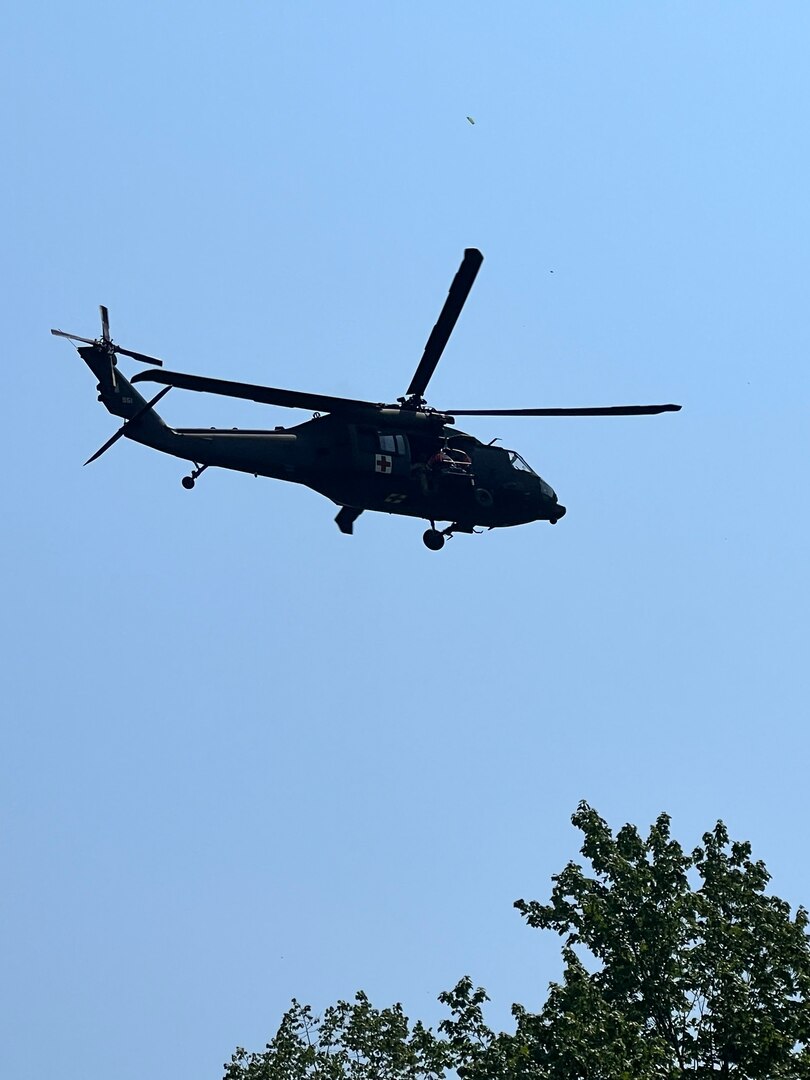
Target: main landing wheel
x=433 y=539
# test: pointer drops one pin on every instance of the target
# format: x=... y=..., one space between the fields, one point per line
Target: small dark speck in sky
x=471 y=119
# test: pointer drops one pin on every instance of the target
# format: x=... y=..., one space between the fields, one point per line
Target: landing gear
x=188 y=481
x=433 y=539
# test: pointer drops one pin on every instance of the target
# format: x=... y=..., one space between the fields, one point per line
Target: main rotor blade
x=608 y=410
x=105 y=323
x=440 y=334
x=266 y=395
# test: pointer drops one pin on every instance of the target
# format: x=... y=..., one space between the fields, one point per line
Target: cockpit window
x=517 y=462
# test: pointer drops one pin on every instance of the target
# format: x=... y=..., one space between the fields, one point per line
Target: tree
x=674 y=965
x=351 y=1040
x=696 y=970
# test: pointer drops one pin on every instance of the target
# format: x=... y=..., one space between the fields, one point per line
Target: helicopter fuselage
x=417 y=467
x=366 y=467
x=405 y=458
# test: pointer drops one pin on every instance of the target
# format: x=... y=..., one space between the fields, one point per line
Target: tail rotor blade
x=144 y=359
x=73 y=337
x=106 y=342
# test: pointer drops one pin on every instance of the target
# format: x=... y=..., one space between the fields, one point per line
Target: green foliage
x=351 y=1041
x=675 y=965
x=686 y=966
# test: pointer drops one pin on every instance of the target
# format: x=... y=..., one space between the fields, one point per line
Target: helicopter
x=404 y=458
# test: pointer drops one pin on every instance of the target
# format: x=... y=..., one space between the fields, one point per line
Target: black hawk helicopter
x=403 y=458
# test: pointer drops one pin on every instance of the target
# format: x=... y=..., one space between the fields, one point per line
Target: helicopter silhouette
x=404 y=458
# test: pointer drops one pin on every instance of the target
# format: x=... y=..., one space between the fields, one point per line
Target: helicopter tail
x=116 y=392
x=141 y=422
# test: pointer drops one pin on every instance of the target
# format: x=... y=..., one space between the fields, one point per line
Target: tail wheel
x=188 y=481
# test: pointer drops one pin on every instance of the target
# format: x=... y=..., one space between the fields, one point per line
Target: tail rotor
x=106 y=344
x=115 y=391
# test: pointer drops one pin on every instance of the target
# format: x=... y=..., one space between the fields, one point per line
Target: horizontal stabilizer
x=122 y=430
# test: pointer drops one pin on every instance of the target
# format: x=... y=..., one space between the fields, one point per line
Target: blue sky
x=246 y=757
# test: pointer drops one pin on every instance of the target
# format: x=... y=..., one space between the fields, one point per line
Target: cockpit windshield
x=517 y=462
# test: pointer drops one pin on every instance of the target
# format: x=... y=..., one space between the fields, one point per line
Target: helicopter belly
x=455 y=498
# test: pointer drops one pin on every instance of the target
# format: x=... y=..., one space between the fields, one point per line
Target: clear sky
x=245 y=757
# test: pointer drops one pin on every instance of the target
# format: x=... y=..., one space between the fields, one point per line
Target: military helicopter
x=403 y=458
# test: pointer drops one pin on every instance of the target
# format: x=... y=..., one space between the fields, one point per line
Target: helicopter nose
x=557 y=511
